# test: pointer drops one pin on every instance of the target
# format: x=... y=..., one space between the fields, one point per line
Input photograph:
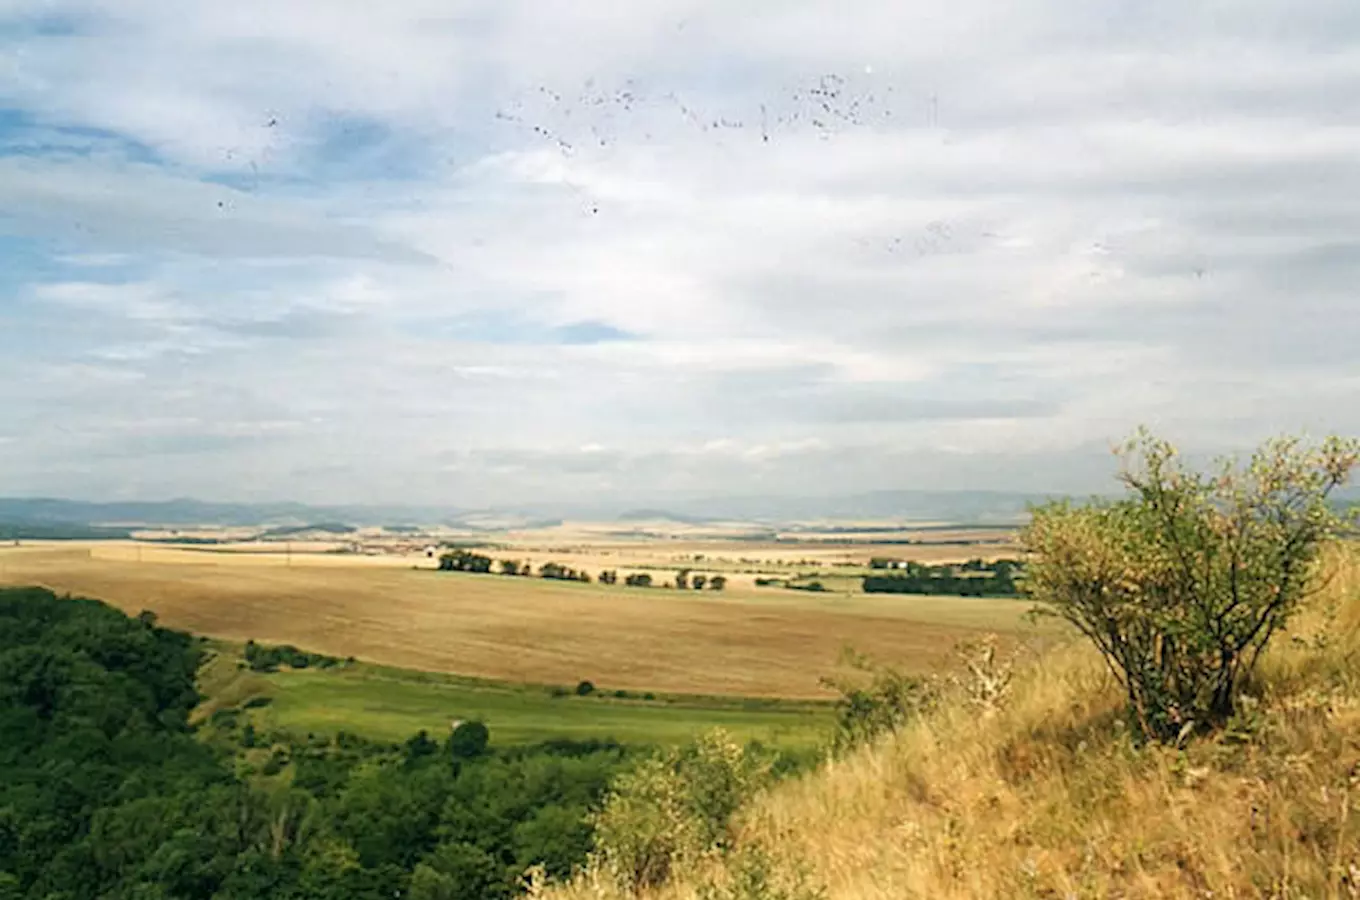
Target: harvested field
x=742 y=641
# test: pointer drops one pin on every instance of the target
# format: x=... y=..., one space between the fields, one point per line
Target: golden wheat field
x=394 y=610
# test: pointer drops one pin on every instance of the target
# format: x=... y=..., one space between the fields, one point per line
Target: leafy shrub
x=265 y=658
x=675 y=808
x=1182 y=584
x=275 y=763
x=419 y=746
x=225 y=718
x=454 y=871
x=883 y=703
x=584 y=689
x=468 y=740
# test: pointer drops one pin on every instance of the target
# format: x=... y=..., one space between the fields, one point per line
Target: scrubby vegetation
x=674 y=809
x=1182 y=584
x=266 y=658
x=1059 y=779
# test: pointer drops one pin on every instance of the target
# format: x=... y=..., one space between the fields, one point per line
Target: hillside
x=1050 y=797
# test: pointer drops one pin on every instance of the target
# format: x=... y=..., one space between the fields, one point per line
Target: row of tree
x=469 y=561
x=972 y=579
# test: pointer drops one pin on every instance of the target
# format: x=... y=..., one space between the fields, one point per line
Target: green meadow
x=390 y=704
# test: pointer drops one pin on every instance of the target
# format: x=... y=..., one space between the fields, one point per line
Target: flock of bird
x=594 y=119
x=571 y=121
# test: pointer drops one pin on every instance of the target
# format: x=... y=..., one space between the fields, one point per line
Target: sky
x=482 y=253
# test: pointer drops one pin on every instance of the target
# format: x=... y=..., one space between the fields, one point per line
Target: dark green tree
x=468 y=740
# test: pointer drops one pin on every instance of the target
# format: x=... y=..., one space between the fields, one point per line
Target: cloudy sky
x=482 y=252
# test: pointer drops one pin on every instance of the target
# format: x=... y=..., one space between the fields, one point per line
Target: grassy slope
x=1050 y=799
x=389 y=704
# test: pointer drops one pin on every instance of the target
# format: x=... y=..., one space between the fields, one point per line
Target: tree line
x=974 y=578
x=461 y=560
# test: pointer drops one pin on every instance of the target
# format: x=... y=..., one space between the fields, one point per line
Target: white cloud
x=920 y=245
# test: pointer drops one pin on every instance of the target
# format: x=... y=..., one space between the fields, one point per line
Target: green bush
x=225 y=718
x=265 y=658
x=456 y=871
x=881 y=700
x=1182 y=584
x=468 y=740
x=584 y=689
x=675 y=808
x=274 y=765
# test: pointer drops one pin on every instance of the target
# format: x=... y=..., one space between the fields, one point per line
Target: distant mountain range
x=55 y=516
x=187 y=512
x=983 y=507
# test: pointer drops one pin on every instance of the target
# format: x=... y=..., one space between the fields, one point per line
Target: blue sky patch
x=499 y=328
x=591 y=332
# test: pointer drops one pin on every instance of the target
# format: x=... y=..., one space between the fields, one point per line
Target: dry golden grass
x=1050 y=798
x=524 y=629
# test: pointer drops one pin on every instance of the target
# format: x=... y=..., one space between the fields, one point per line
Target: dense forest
x=108 y=791
x=974 y=578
